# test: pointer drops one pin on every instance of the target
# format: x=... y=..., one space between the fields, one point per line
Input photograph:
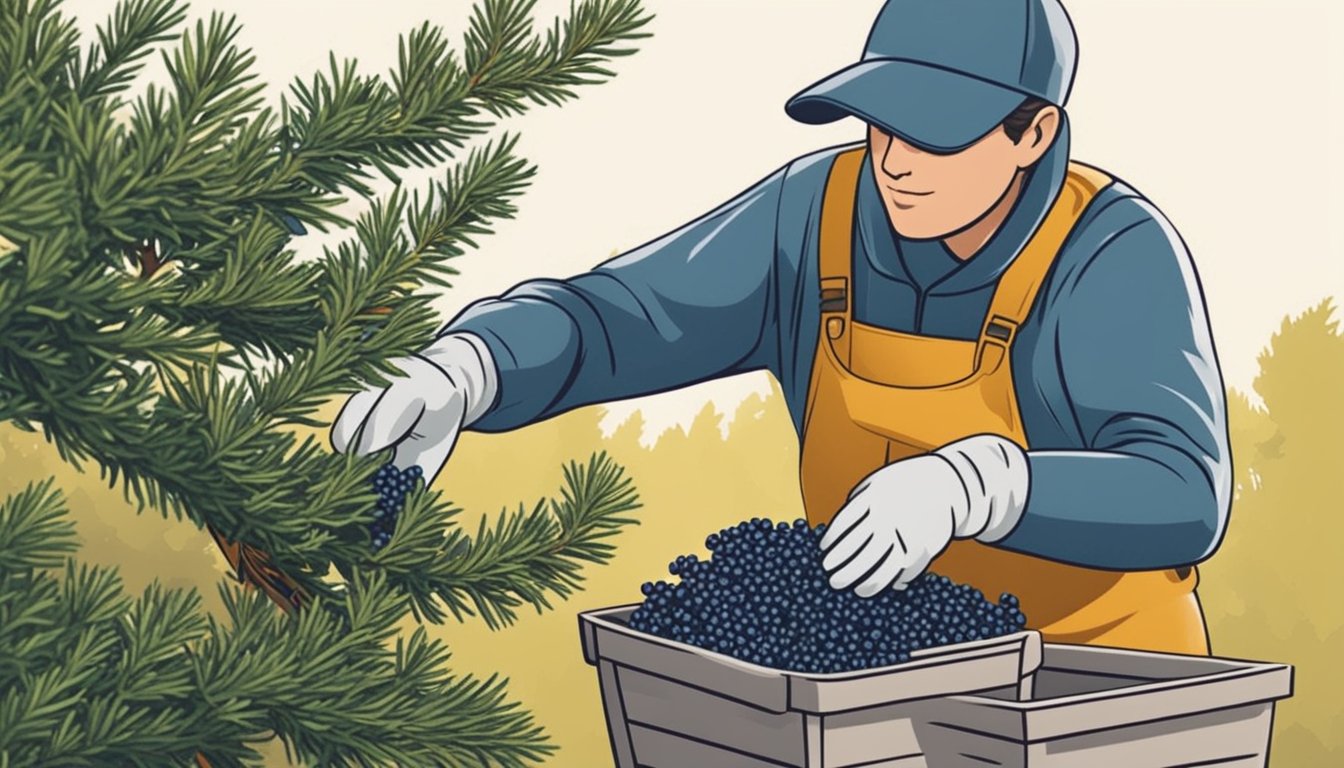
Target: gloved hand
x=441 y=392
x=902 y=516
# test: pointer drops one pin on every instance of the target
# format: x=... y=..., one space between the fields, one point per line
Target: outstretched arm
x=693 y=305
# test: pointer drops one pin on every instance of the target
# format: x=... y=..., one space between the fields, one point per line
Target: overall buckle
x=834 y=294
x=834 y=300
x=1000 y=329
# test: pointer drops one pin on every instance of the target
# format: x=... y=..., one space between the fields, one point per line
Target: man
x=998 y=362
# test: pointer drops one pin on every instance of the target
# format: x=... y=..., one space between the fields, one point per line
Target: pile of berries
x=763 y=597
x=392 y=485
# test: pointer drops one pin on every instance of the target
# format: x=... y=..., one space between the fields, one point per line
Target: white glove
x=445 y=388
x=902 y=516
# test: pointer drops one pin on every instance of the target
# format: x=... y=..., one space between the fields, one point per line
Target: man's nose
x=896 y=161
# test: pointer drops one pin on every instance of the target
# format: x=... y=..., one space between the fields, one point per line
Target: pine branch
x=134 y=374
x=268 y=306
x=36 y=46
x=65 y=395
x=264 y=469
x=91 y=677
x=247 y=424
x=344 y=123
x=487 y=728
x=123 y=42
x=59 y=325
x=209 y=70
x=261 y=306
x=32 y=534
x=68 y=351
x=570 y=56
x=53 y=676
x=480 y=189
x=30 y=195
x=174 y=142
x=523 y=558
x=435 y=104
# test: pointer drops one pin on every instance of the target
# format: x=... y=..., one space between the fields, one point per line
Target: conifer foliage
x=156 y=324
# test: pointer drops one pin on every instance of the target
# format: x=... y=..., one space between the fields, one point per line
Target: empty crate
x=1101 y=707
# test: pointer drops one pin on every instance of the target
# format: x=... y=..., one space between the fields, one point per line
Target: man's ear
x=1039 y=136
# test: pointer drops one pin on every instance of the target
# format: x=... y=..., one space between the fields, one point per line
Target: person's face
x=938 y=195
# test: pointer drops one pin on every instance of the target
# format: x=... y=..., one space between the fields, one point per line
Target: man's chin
x=915 y=228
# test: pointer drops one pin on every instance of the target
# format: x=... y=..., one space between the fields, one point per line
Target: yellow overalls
x=877 y=396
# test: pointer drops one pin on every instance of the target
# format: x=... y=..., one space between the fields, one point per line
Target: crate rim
x=1240 y=668
x=602 y=618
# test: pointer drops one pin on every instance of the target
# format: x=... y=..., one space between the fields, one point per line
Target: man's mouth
x=898 y=194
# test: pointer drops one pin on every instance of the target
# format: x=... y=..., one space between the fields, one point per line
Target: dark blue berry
x=763 y=597
x=392 y=487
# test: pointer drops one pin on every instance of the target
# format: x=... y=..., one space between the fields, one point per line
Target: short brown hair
x=1016 y=124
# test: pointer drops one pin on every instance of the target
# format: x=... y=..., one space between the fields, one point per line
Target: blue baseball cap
x=942 y=74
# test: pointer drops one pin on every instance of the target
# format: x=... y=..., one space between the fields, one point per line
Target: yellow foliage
x=1269 y=592
x=1272 y=590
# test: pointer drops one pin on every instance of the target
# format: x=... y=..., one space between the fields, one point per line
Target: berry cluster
x=764 y=597
x=392 y=485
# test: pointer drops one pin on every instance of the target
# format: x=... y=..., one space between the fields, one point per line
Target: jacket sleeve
x=1150 y=486
x=695 y=304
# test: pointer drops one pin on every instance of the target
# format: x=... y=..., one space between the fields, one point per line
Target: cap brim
x=935 y=109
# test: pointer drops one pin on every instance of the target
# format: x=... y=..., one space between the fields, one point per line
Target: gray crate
x=670 y=705
x=1103 y=707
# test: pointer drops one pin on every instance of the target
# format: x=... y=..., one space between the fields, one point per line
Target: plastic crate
x=672 y=705
x=1103 y=707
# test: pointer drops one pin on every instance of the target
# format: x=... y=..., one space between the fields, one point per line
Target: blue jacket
x=1117 y=378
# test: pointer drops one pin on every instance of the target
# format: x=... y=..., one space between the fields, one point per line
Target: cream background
x=1225 y=113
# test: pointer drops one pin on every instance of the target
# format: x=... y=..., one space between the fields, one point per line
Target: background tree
x=1271 y=591
x=155 y=323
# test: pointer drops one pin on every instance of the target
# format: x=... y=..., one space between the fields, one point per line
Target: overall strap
x=837 y=231
x=1017 y=288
